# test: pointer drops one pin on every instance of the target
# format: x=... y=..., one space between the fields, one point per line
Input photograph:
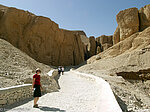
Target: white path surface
x=77 y=94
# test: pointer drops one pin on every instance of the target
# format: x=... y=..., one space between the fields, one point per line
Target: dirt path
x=77 y=94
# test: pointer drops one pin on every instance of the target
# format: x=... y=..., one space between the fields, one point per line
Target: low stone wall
x=15 y=94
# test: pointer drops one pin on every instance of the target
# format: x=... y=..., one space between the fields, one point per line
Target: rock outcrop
x=144 y=14
x=128 y=22
x=40 y=37
x=104 y=42
x=98 y=50
x=72 y=49
x=116 y=36
x=92 y=46
x=85 y=41
x=131 y=21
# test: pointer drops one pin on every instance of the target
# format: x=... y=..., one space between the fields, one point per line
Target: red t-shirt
x=37 y=79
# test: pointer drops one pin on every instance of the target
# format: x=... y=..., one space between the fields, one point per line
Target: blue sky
x=95 y=17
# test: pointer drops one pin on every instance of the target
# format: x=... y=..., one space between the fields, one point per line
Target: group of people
x=61 y=69
x=37 y=86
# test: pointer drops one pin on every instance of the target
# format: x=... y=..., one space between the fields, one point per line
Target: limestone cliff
x=40 y=37
x=131 y=21
x=104 y=42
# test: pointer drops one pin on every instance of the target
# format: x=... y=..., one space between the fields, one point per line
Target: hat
x=38 y=70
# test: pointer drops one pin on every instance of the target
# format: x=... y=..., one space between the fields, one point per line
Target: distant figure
x=62 y=70
x=37 y=87
x=59 y=70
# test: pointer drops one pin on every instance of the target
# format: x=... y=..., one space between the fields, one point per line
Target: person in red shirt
x=37 y=87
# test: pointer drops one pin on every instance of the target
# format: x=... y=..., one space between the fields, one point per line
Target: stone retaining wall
x=15 y=94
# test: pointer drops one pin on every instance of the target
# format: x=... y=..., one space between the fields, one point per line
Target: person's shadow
x=49 y=109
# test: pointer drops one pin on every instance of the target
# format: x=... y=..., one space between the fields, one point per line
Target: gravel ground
x=77 y=94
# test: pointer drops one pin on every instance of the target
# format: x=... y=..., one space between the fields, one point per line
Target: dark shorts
x=37 y=91
x=59 y=72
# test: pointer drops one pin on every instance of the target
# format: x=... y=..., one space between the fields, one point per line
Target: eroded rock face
x=92 y=46
x=144 y=14
x=72 y=49
x=128 y=22
x=98 y=50
x=137 y=41
x=104 y=42
x=40 y=37
x=85 y=41
x=116 y=36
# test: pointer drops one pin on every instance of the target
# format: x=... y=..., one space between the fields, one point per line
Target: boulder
x=144 y=14
x=40 y=37
x=128 y=22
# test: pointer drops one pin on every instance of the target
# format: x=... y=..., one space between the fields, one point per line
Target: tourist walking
x=37 y=87
x=59 y=70
x=62 y=70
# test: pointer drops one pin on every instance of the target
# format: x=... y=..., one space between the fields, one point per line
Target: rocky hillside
x=126 y=65
x=18 y=68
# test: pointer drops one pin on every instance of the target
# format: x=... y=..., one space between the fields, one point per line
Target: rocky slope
x=126 y=65
x=18 y=68
x=40 y=37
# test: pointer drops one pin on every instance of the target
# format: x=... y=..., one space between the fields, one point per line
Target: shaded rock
x=85 y=41
x=73 y=47
x=128 y=22
x=92 y=46
x=104 y=42
x=106 y=46
x=80 y=32
x=144 y=14
x=106 y=39
x=116 y=36
x=98 y=50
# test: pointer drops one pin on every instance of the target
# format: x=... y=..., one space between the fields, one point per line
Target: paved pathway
x=77 y=94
